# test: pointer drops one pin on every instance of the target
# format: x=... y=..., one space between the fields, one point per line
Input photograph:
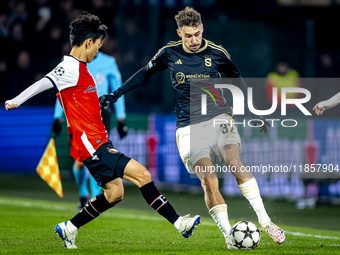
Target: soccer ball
x=245 y=235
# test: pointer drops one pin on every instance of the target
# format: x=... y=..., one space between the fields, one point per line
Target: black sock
x=158 y=202
x=91 y=211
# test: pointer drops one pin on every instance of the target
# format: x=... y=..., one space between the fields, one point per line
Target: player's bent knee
x=114 y=197
x=235 y=162
x=137 y=173
x=144 y=176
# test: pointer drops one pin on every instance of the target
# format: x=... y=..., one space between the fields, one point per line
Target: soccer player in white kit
x=76 y=92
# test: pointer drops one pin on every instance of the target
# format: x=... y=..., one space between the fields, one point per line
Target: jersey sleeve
x=157 y=63
x=31 y=91
x=226 y=65
x=333 y=101
x=65 y=75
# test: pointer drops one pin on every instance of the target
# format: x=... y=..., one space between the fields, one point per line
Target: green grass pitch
x=29 y=210
x=26 y=227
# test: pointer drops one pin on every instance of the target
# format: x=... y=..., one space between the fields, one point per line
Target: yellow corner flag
x=48 y=168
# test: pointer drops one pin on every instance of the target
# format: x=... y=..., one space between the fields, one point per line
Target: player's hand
x=104 y=100
x=318 y=110
x=122 y=128
x=57 y=125
x=10 y=106
x=265 y=123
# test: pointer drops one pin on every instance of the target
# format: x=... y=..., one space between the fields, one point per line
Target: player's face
x=191 y=37
x=93 y=50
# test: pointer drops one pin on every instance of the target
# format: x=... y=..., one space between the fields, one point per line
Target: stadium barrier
x=24 y=134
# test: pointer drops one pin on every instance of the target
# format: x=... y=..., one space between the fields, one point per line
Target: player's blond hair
x=188 y=17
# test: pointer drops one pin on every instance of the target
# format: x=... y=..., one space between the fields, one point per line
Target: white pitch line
x=310 y=235
x=134 y=216
x=33 y=204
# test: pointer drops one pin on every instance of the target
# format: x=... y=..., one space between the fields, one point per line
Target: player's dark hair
x=84 y=27
x=188 y=17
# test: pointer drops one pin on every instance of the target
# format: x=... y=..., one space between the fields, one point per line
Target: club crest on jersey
x=91 y=89
x=59 y=71
x=112 y=150
x=180 y=77
x=207 y=61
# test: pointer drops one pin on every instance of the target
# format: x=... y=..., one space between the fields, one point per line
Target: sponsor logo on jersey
x=59 y=70
x=180 y=77
x=91 y=89
x=178 y=62
x=112 y=150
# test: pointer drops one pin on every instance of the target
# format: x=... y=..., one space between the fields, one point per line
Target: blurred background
x=257 y=34
x=264 y=37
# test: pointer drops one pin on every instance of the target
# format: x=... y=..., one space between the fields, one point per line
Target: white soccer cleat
x=187 y=225
x=229 y=241
x=66 y=235
x=275 y=232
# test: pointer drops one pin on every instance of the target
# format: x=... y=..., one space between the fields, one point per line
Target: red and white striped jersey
x=77 y=94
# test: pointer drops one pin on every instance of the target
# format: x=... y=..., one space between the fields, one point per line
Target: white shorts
x=204 y=140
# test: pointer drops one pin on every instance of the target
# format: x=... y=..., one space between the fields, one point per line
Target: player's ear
x=179 y=33
x=88 y=43
x=202 y=27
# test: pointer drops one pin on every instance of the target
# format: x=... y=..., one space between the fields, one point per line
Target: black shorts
x=106 y=164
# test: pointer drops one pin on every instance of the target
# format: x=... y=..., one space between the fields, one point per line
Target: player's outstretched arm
x=132 y=83
x=135 y=80
x=31 y=91
x=320 y=107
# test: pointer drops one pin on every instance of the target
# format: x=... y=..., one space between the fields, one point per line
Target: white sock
x=251 y=191
x=220 y=215
x=177 y=222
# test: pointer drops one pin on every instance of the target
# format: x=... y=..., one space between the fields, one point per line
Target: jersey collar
x=76 y=59
x=200 y=50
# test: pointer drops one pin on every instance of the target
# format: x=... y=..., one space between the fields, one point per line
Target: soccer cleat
x=228 y=241
x=67 y=236
x=275 y=232
x=187 y=225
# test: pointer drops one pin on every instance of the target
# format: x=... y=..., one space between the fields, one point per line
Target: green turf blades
x=27 y=228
